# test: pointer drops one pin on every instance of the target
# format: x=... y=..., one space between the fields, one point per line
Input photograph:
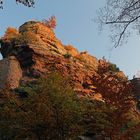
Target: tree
x=28 y=3
x=95 y=117
x=8 y=115
x=51 y=111
x=118 y=96
x=122 y=16
x=54 y=110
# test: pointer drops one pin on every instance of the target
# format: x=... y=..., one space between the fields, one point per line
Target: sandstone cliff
x=34 y=51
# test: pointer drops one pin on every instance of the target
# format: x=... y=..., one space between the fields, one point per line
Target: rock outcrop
x=10 y=73
x=34 y=51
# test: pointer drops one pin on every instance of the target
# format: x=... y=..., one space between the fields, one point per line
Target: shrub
x=113 y=67
x=67 y=55
x=62 y=112
x=51 y=22
x=119 y=96
x=136 y=137
x=10 y=33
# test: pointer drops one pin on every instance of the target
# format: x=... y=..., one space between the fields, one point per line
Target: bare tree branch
x=28 y=3
x=120 y=15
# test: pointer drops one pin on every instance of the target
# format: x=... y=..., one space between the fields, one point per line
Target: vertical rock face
x=10 y=73
x=39 y=52
x=34 y=51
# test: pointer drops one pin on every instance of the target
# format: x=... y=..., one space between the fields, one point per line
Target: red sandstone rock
x=36 y=49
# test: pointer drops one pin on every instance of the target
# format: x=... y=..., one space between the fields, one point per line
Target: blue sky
x=75 y=26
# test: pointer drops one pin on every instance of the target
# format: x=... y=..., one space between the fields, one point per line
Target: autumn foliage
x=51 y=22
x=118 y=95
x=51 y=110
x=10 y=33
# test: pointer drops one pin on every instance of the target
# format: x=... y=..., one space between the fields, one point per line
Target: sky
x=76 y=26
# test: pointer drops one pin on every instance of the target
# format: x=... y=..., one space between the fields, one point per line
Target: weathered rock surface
x=10 y=73
x=38 y=52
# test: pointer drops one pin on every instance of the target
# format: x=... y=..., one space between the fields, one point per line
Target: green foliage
x=8 y=112
x=136 y=137
x=23 y=91
x=131 y=123
x=95 y=116
x=67 y=55
x=113 y=67
x=52 y=111
x=61 y=108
